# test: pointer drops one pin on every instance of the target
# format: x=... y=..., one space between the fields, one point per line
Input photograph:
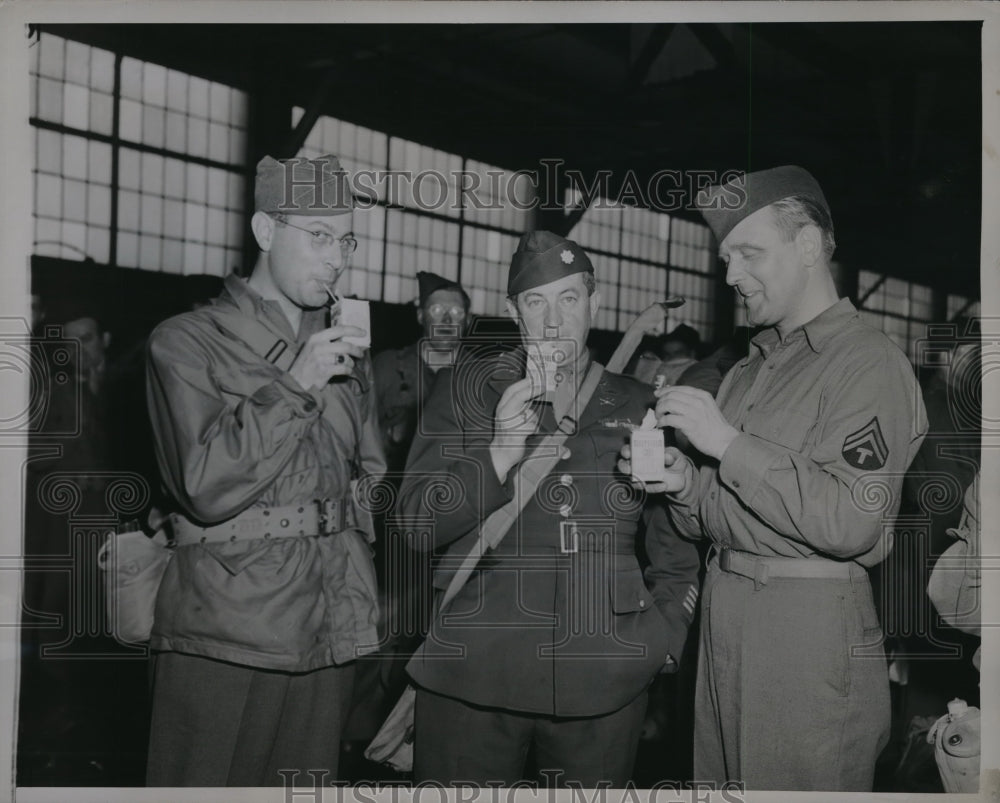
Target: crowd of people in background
x=742 y=572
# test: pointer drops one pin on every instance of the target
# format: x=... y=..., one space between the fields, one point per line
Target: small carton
x=648 y=449
x=546 y=368
x=355 y=312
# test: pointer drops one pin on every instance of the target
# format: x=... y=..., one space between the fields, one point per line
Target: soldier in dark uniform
x=554 y=641
x=403 y=377
x=804 y=455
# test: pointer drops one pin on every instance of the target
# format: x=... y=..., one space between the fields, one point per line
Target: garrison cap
x=430 y=283
x=542 y=257
x=723 y=206
x=302 y=186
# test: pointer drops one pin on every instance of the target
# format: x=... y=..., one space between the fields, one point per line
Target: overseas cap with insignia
x=542 y=257
x=430 y=283
x=725 y=205
x=302 y=187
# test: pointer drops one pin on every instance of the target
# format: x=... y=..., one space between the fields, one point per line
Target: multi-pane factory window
x=176 y=216
x=425 y=209
x=639 y=285
x=600 y=228
x=495 y=197
x=690 y=251
x=180 y=148
x=640 y=256
x=485 y=260
x=142 y=166
x=429 y=180
x=360 y=150
x=72 y=197
x=699 y=292
x=72 y=95
x=961 y=305
x=413 y=243
x=607 y=269
x=899 y=308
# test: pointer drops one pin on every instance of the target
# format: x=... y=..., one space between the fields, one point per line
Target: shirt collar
x=817 y=331
x=250 y=302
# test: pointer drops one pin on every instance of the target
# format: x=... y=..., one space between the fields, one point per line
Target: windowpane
x=899 y=308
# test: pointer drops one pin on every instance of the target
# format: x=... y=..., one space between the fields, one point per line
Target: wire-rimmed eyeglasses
x=324 y=239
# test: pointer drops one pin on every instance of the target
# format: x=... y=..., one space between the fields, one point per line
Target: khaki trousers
x=793 y=689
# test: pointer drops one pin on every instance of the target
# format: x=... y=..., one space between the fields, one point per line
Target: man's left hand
x=694 y=413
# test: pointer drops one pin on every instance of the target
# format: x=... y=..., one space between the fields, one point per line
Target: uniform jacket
x=402 y=382
x=234 y=432
x=829 y=420
x=536 y=629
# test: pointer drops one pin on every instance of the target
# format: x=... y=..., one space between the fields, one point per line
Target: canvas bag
x=133 y=566
x=956 y=740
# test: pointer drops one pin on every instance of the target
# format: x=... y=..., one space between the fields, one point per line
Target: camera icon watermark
x=47 y=363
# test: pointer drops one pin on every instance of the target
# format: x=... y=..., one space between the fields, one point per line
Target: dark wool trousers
x=219 y=724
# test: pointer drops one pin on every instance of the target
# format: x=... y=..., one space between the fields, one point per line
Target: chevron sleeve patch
x=866 y=448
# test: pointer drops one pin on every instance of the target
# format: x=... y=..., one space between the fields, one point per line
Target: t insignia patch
x=866 y=449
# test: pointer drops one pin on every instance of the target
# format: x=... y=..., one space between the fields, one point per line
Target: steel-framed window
x=136 y=165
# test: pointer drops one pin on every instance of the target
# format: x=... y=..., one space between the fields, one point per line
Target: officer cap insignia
x=866 y=448
x=542 y=257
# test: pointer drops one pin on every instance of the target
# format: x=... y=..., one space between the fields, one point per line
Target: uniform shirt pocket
x=778 y=426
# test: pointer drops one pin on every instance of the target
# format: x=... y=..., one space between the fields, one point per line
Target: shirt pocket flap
x=779 y=426
x=628 y=592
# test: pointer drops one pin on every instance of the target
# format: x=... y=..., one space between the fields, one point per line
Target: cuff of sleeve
x=743 y=465
x=677 y=631
x=685 y=503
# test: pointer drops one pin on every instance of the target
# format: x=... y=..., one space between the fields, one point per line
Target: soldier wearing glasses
x=403 y=376
x=263 y=416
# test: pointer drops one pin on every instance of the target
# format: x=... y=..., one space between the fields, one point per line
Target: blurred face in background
x=444 y=317
x=673 y=349
x=93 y=343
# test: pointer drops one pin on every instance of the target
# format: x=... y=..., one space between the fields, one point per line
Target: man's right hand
x=514 y=420
x=326 y=355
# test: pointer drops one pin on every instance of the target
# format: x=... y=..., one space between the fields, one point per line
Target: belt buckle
x=331 y=516
x=725 y=554
x=569 y=537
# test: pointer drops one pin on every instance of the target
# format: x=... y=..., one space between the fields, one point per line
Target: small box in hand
x=355 y=312
x=545 y=367
x=647 y=455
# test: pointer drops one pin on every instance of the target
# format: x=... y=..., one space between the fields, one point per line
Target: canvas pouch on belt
x=133 y=564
